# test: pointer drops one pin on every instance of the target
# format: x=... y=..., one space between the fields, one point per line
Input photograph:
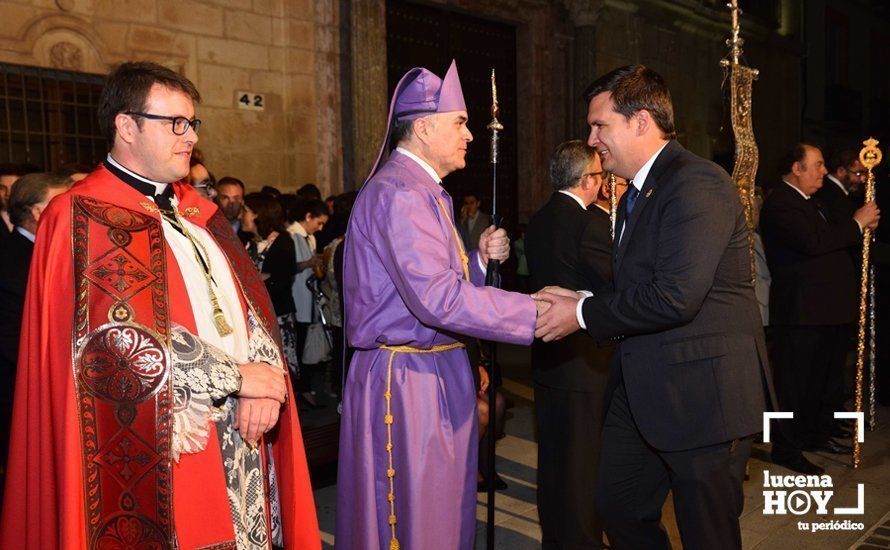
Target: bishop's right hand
x=262 y=380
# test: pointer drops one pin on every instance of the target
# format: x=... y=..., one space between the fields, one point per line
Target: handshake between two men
x=557 y=307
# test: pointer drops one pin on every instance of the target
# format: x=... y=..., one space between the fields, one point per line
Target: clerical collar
x=140 y=183
x=427 y=168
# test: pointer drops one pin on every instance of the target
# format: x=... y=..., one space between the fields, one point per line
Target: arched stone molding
x=65 y=42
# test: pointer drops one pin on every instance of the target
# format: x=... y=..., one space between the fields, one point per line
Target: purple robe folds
x=404 y=286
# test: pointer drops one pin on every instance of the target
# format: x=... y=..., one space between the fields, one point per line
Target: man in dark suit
x=27 y=199
x=8 y=174
x=473 y=221
x=839 y=192
x=568 y=244
x=690 y=369
x=813 y=304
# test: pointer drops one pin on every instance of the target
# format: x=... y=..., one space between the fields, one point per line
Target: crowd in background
x=294 y=240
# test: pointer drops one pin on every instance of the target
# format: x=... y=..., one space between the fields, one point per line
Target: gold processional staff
x=870 y=156
x=741 y=79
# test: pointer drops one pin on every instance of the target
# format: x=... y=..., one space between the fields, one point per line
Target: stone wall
x=684 y=42
x=562 y=45
x=285 y=49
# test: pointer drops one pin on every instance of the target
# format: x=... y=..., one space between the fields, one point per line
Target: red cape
x=52 y=497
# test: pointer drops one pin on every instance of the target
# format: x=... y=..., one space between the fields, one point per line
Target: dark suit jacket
x=280 y=262
x=841 y=207
x=470 y=235
x=812 y=262
x=570 y=247
x=692 y=350
x=16 y=252
x=836 y=205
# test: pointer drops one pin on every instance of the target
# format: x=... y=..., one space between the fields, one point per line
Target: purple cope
x=405 y=294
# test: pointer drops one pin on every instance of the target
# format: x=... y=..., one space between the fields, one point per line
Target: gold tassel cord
x=223 y=328
x=388 y=420
x=870 y=156
x=464 y=259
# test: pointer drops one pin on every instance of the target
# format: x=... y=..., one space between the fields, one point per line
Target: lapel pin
x=649 y=192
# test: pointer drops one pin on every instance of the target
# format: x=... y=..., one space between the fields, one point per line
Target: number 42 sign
x=250 y=100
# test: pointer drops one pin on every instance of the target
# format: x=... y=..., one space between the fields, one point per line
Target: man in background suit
x=838 y=195
x=568 y=244
x=27 y=199
x=472 y=221
x=812 y=305
x=691 y=364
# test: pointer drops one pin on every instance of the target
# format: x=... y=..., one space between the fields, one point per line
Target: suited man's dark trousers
x=569 y=424
x=635 y=478
x=808 y=371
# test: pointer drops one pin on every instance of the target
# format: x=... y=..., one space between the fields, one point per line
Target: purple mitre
x=420 y=93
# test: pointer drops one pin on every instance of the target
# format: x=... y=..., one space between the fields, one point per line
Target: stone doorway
x=431 y=36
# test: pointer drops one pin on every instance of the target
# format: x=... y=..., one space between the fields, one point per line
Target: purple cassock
x=409 y=435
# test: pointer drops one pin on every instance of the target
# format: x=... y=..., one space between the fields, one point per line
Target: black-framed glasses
x=180 y=124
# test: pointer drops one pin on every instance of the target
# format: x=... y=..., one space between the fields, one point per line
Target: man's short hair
x=401 y=131
x=795 y=154
x=127 y=88
x=568 y=163
x=230 y=180
x=29 y=190
x=634 y=88
x=843 y=159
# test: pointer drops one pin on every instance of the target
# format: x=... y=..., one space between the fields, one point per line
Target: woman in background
x=272 y=251
x=306 y=218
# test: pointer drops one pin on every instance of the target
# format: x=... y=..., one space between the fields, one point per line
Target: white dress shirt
x=575 y=197
x=807 y=197
x=304 y=245
x=801 y=193
x=638 y=181
x=839 y=184
x=25 y=233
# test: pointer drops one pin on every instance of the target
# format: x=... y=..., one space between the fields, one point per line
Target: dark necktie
x=632 y=195
x=819 y=208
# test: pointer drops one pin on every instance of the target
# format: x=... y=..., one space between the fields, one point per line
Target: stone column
x=328 y=124
x=585 y=15
x=370 y=97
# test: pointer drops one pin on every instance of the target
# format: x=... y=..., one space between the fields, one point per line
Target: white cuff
x=578 y=309
x=861 y=230
x=482 y=266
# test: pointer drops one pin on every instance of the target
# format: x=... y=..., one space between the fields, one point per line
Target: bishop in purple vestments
x=408 y=440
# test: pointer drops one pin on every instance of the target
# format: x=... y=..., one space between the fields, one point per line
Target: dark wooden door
x=419 y=35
